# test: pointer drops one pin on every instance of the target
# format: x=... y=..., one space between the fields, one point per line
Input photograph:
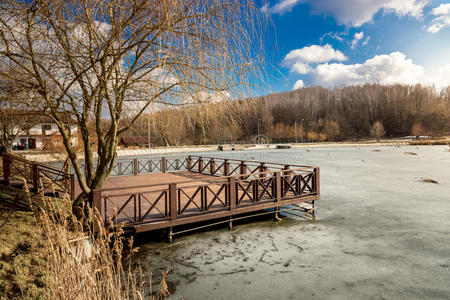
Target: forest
x=305 y=115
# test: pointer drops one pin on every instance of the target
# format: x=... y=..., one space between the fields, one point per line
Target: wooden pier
x=150 y=194
x=154 y=193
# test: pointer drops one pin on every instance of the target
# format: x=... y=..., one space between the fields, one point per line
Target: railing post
x=163 y=165
x=278 y=193
x=200 y=164
x=189 y=163
x=262 y=169
x=6 y=168
x=232 y=193
x=135 y=167
x=35 y=176
x=97 y=200
x=317 y=180
x=242 y=169
x=226 y=166
x=212 y=166
x=96 y=203
x=173 y=201
x=72 y=187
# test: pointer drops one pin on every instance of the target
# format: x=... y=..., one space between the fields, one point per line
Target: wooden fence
x=37 y=175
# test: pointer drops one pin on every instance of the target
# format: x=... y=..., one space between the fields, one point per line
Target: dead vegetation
x=411 y=153
x=46 y=252
x=428 y=180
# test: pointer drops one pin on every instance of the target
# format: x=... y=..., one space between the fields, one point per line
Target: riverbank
x=43 y=156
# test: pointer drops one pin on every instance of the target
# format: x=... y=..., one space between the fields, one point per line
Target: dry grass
x=22 y=261
x=431 y=142
x=57 y=256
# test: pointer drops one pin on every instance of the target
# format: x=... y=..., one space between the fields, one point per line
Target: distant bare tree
x=417 y=130
x=377 y=130
x=109 y=59
x=331 y=129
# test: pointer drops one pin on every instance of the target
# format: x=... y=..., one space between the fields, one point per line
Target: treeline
x=308 y=114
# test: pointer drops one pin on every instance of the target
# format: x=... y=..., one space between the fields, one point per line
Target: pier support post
x=230 y=223
x=170 y=235
x=277 y=217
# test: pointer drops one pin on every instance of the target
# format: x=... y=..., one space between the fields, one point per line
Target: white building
x=38 y=136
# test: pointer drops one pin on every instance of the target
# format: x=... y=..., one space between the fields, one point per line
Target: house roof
x=133 y=140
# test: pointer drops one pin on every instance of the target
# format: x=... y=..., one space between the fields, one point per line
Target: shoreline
x=124 y=152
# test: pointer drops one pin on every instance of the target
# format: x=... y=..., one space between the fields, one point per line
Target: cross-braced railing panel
x=190 y=200
x=122 y=167
x=148 y=166
x=145 y=206
x=176 y=164
x=21 y=170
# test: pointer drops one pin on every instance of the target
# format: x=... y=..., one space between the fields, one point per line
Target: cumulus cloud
x=383 y=69
x=313 y=54
x=301 y=68
x=354 y=12
x=299 y=60
x=442 y=19
x=356 y=38
x=298 y=84
x=281 y=7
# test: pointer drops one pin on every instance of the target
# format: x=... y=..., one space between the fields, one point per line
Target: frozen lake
x=380 y=233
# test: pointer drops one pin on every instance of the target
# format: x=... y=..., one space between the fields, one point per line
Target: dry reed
x=85 y=261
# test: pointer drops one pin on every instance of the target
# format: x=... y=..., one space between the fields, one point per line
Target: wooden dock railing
x=37 y=175
x=238 y=187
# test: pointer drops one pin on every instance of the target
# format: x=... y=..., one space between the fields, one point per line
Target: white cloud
x=355 y=12
x=314 y=54
x=383 y=69
x=442 y=19
x=281 y=7
x=301 y=68
x=444 y=76
x=334 y=35
x=356 y=38
x=298 y=84
x=366 y=41
x=298 y=60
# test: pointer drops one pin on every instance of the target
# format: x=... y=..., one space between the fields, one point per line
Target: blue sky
x=333 y=43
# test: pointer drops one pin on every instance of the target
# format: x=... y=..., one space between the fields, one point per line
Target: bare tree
x=15 y=119
x=108 y=59
x=417 y=130
x=377 y=130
